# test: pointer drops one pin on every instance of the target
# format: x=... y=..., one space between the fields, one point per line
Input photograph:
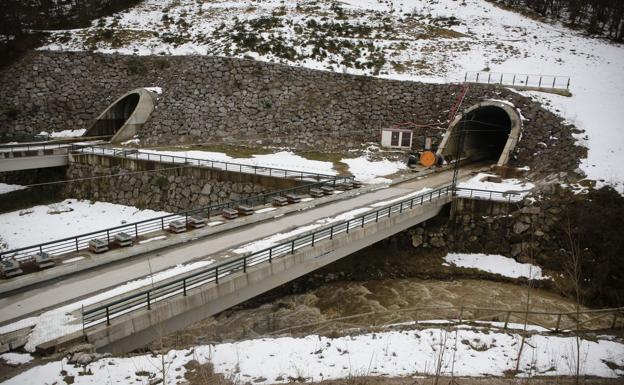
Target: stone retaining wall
x=169 y=187
x=233 y=101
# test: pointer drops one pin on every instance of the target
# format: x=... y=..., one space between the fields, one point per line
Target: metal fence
x=489 y=195
x=136 y=229
x=520 y=80
x=550 y=321
x=146 y=298
x=220 y=165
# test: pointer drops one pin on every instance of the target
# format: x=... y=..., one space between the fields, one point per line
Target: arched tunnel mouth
x=483 y=133
x=115 y=117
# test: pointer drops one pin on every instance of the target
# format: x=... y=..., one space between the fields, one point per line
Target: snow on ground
x=62 y=321
x=480 y=182
x=6 y=188
x=314 y=358
x=283 y=159
x=435 y=41
x=368 y=171
x=496 y=264
x=64 y=133
x=363 y=169
x=16 y=358
x=64 y=219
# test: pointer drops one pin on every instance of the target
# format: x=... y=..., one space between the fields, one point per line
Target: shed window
x=394 y=140
x=406 y=139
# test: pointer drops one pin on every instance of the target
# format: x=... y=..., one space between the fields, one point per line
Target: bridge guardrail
x=81 y=241
x=144 y=299
x=523 y=80
x=215 y=164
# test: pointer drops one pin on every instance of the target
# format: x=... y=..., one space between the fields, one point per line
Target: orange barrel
x=428 y=159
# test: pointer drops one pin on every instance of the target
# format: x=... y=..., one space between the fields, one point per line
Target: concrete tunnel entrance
x=491 y=132
x=122 y=119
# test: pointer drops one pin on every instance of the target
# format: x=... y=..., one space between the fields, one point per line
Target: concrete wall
x=171 y=188
x=139 y=328
x=210 y=100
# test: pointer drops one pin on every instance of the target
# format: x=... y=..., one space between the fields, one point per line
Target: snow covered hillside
x=428 y=40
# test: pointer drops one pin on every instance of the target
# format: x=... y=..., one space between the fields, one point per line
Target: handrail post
x=292 y=247
x=364 y=216
x=184 y=287
x=77 y=244
x=313 y=239
x=271 y=255
x=244 y=264
x=217 y=275
x=107 y=317
x=376 y=216
x=347 y=227
x=331 y=232
x=149 y=302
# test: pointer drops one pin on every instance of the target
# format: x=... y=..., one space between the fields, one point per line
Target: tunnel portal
x=490 y=132
x=122 y=119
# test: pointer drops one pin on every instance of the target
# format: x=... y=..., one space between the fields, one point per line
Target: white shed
x=396 y=137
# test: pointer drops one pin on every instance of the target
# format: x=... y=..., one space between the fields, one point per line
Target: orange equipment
x=428 y=159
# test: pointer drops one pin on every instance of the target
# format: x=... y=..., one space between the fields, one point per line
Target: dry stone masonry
x=233 y=101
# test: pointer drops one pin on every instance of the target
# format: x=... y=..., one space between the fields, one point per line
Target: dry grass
x=198 y=374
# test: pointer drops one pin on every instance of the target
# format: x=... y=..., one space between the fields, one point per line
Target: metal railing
x=32 y=148
x=147 y=226
x=179 y=287
x=215 y=164
x=520 y=80
x=490 y=195
x=550 y=321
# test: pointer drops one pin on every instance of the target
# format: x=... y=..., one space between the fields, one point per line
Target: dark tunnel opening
x=115 y=117
x=485 y=134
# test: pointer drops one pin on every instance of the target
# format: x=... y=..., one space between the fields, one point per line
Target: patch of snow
x=265 y=210
x=309 y=199
x=401 y=198
x=215 y=223
x=6 y=188
x=370 y=172
x=64 y=133
x=496 y=264
x=16 y=358
x=75 y=259
x=156 y=90
x=148 y=240
x=64 y=219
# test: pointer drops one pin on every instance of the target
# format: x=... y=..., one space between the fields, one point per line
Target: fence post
x=217 y=275
x=347 y=227
x=461 y=313
x=77 y=244
x=539 y=85
x=513 y=82
x=377 y=216
x=507 y=319
x=184 y=287
x=270 y=255
x=136 y=230
x=331 y=232
x=107 y=317
x=245 y=264
x=558 y=322
x=292 y=247
x=162 y=223
x=149 y=302
x=363 y=220
x=107 y=236
x=489 y=77
x=313 y=239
